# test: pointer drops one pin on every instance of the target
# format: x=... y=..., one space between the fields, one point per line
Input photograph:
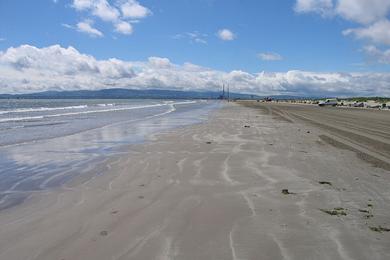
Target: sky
x=265 y=47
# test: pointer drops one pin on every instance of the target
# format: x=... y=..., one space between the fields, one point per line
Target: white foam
x=41 y=109
x=172 y=108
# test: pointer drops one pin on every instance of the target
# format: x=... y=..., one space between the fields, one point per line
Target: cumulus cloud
x=360 y=11
x=86 y=27
x=30 y=69
x=121 y=14
x=124 y=27
x=105 y=11
x=134 y=10
x=323 y=7
x=378 y=32
x=382 y=56
x=226 y=35
x=159 y=62
x=82 y=4
x=363 y=11
x=270 y=56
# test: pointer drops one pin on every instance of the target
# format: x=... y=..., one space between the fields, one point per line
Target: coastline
x=52 y=156
x=212 y=190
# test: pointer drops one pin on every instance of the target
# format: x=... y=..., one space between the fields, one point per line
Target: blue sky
x=274 y=36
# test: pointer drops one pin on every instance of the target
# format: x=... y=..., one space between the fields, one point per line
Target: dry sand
x=213 y=191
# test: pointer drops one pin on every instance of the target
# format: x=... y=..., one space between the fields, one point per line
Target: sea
x=46 y=143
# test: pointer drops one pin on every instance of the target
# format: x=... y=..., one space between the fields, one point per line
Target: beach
x=253 y=181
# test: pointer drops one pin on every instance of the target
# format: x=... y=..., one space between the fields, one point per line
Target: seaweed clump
x=287 y=192
x=325 y=182
x=335 y=212
x=380 y=229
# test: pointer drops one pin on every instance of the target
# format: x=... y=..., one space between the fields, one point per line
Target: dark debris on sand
x=379 y=229
x=335 y=212
x=287 y=192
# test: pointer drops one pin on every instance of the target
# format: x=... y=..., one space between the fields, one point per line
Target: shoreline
x=45 y=164
x=213 y=190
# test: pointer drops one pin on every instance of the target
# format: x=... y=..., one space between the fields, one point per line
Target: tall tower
x=228 y=92
x=223 y=91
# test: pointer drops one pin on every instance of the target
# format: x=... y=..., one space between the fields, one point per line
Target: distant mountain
x=120 y=93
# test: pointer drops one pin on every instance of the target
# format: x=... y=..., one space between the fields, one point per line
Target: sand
x=213 y=191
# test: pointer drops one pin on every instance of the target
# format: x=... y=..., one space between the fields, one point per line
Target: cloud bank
x=27 y=69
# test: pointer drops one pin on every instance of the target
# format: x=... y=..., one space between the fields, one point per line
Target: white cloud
x=105 y=11
x=82 y=4
x=226 y=35
x=2 y=39
x=378 y=32
x=381 y=56
x=134 y=10
x=193 y=37
x=363 y=11
x=124 y=27
x=86 y=27
x=270 y=56
x=372 y=15
x=30 y=69
x=360 y=11
x=323 y=7
x=121 y=14
x=159 y=62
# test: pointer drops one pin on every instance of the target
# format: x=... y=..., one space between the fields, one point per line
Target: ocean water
x=45 y=143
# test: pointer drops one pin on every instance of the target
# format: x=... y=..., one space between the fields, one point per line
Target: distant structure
x=222 y=97
x=228 y=93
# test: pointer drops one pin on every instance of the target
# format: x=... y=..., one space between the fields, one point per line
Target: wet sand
x=246 y=184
